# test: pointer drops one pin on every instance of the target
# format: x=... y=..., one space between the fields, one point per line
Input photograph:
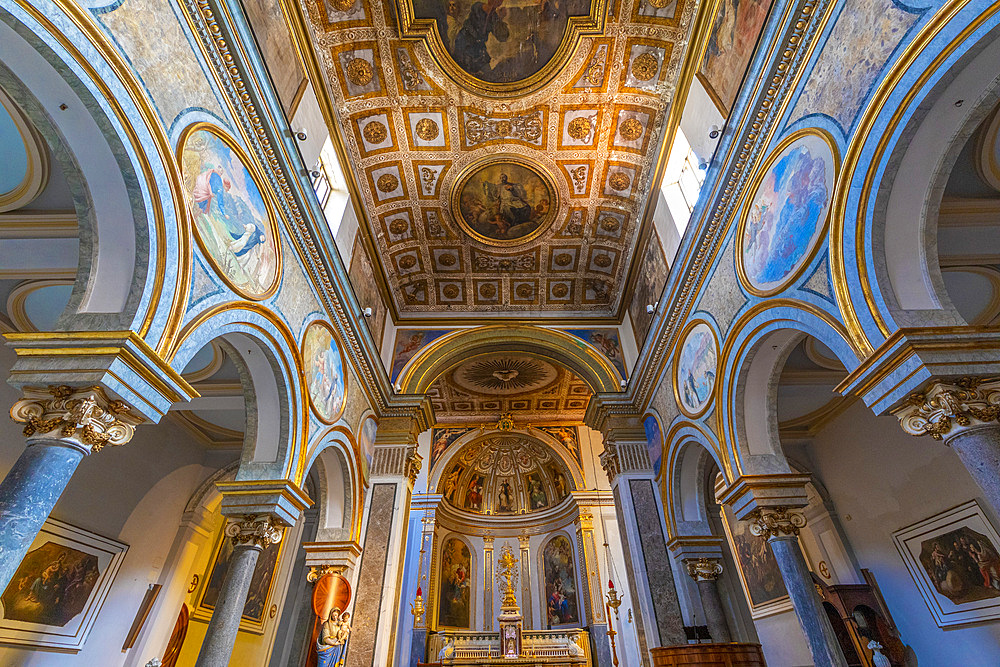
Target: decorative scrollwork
x=260 y=531
x=704 y=569
x=772 y=521
x=947 y=408
x=85 y=416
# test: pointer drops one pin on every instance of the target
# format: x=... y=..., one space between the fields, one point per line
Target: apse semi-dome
x=505 y=474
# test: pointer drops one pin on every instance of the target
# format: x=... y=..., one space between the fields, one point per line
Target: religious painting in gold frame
x=255 y=611
x=504 y=200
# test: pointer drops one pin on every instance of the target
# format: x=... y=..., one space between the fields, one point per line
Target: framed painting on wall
x=255 y=611
x=759 y=574
x=954 y=559
x=57 y=591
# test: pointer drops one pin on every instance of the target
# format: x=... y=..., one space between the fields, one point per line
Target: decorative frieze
x=775 y=521
x=260 y=531
x=704 y=569
x=947 y=408
x=82 y=416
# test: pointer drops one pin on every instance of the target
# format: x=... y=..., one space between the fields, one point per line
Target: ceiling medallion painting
x=504 y=201
x=522 y=189
x=501 y=46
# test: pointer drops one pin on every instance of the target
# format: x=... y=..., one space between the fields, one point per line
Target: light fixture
x=301 y=135
x=714 y=131
x=367 y=312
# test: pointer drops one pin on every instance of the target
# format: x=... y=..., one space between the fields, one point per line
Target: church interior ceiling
x=502 y=150
x=532 y=388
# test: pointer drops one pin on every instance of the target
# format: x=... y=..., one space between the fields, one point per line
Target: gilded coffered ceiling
x=502 y=149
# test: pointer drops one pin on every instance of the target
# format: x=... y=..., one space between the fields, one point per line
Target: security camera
x=313 y=173
x=301 y=135
x=624 y=383
x=368 y=312
x=714 y=131
x=650 y=308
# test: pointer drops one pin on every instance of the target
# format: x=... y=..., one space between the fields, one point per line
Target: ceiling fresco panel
x=486 y=137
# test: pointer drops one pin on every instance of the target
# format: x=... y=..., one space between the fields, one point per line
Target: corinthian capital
x=83 y=416
x=704 y=569
x=772 y=521
x=947 y=408
x=414 y=462
x=258 y=530
x=611 y=461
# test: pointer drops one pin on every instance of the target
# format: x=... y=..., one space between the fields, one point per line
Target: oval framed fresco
x=324 y=366
x=785 y=217
x=504 y=200
x=366 y=444
x=695 y=367
x=234 y=223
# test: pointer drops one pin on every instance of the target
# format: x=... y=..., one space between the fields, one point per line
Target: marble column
x=705 y=572
x=963 y=413
x=526 y=607
x=250 y=535
x=62 y=424
x=780 y=527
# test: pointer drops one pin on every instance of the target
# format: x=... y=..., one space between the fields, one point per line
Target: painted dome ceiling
x=505 y=474
x=527 y=386
x=505 y=174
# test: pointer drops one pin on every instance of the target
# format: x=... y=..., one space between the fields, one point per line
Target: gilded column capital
x=945 y=409
x=317 y=572
x=414 y=461
x=83 y=416
x=260 y=531
x=610 y=461
x=775 y=521
x=704 y=569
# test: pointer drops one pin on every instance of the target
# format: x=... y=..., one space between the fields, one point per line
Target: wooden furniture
x=709 y=655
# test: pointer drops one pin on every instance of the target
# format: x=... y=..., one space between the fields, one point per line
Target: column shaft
x=979 y=449
x=715 y=616
x=221 y=634
x=27 y=495
x=823 y=644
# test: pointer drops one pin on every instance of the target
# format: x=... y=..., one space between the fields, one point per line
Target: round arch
x=266 y=355
x=689 y=450
x=883 y=254
x=751 y=359
x=340 y=493
x=550 y=344
x=107 y=138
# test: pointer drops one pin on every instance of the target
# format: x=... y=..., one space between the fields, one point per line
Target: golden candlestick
x=614 y=601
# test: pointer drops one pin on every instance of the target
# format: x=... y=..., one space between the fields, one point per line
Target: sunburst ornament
x=504 y=373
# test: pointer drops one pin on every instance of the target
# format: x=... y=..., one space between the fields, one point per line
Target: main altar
x=511 y=644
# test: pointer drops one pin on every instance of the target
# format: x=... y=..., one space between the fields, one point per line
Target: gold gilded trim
x=266 y=196
x=411 y=27
x=751 y=192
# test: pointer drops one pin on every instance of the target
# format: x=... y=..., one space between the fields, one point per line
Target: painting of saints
x=441 y=439
x=501 y=41
x=731 y=43
x=788 y=213
x=451 y=483
x=505 y=201
x=260 y=583
x=696 y=368
x=474 y=495
x=536 y=493
x=51 y=585
x=408 y=343
x=454 y=608
x=559 y=481
x=560 y=583
x=505 y=499
x=233 y=224
x=324 y=371
x=963 y=565
x=757 y=564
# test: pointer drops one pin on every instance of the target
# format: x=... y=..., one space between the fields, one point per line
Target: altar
x=552 y=648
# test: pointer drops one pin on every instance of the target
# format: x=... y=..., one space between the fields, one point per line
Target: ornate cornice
x=84 y=417
x=730 y=175
x=704 y=569
x=330 y=283
x=945 y=408
x=258 y=531
x=776 y=521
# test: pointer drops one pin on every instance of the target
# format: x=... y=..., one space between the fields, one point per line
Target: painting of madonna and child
x=230 y=217
x=501 y=41
x=505 y=201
